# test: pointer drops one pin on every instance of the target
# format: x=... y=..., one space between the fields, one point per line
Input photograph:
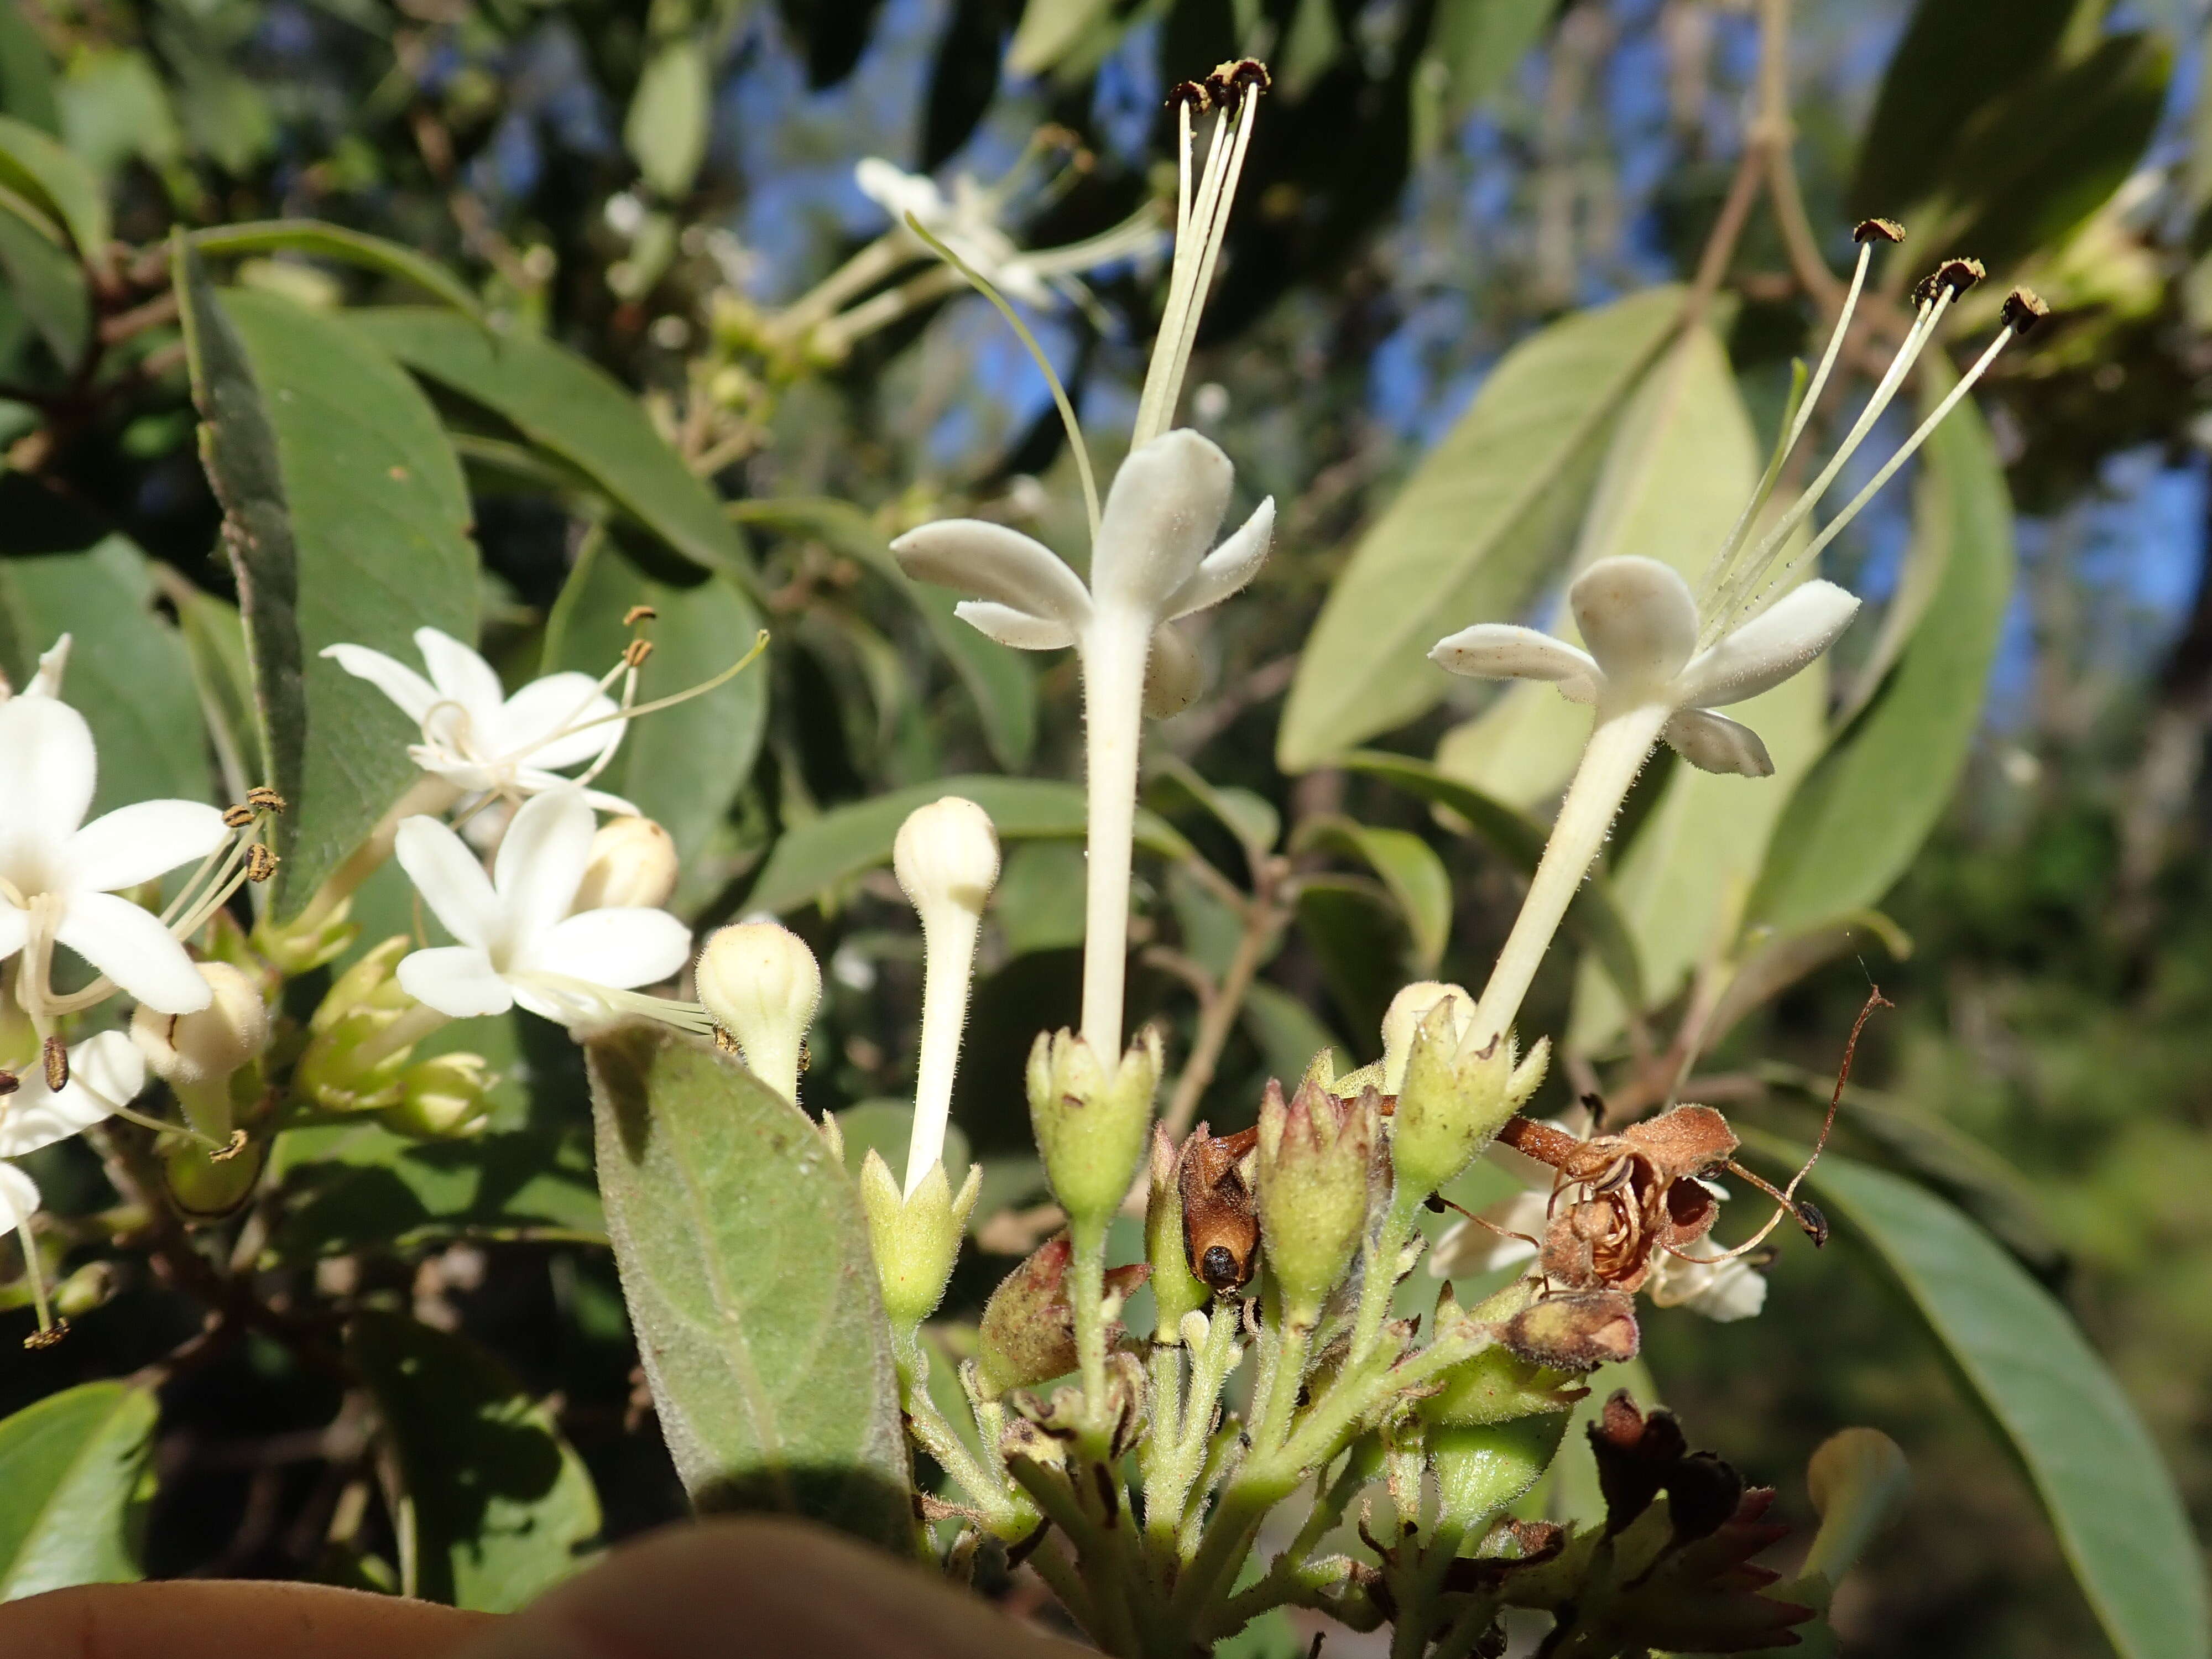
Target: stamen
x=266 y=799
x=640 y=613
x=55 y=1059
x=51 y=1330
x=1874 y=230
x=237 y=817
x=260 y=862
x=760 y=644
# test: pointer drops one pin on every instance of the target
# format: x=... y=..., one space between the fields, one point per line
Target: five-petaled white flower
x=60 y=876
x=517 y=942
x=1641 y=624
x=478 y=738
x=1722 y=1289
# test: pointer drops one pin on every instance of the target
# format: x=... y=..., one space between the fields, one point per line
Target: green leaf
x=1474 y=529
x=1252 y=819
x=683 y=766
x=2110 y=1499
x=1409 y=869
x=572 y=408
x=492 y=1505
x=745 y=1264
x=998 y=680
x=34 y=166
x=820 y=856
x=346 y=519
x=1472 y=49
x=1347 y=922
x=1039 y=904
x=1594 y=917
x=1857 y=821
x=666 y=128
x=1049 y=30
x=1288 y=1033
x=77 y=1471
x=336 y=242
x=222 y=674
x=128 y=673
x=46 y=283
x=26 y=73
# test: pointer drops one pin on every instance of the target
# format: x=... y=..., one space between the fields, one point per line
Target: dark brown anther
x=260 y=863
x=56 y=1059
x=1434 y=1204
x=2023 y=309
x=1878 y=230
x=9 y=1083
x=1957 y=275
x=1220 y=1216
x=1192 y=93
x=635 y=652
x=265 y=800
x=1247 y=74
x=237 y=817
x=1814 y=1223
x=237 y=1144
x=1594 y=1103
x=639 y=613
x=46 y=1339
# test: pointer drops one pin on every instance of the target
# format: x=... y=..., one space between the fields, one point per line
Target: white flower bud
x=946 y=854
x=762 y=985
x=633 y=865
x=1403 y=1018
x=189 y=1049
x=946 y=858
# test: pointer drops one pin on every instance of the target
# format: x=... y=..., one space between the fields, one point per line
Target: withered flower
x=1027 y=1331
x=1220 y=1217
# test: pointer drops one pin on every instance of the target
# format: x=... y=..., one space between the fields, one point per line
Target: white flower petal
x=456 y=979
x=530 y=781
x=1161 y=517
x=618 y=947
x=1722 y=1291
x=540 y=863
x=15 y=929
x=1226 y=569
x=1014 y=628
x=899 y=192
x=1639 y=620
x=1771 y=646
x=110 y=1064
x=1714 y=743
x=106 y=1072
x=18 y=1197
x=394 y=678
x=461 y=676
x=971 y=556
x=449 y=879
x=1506 y=651
x=552 y=704
x=133 y=949
x=138 y=842
x=47 y=768
x=1173 y=674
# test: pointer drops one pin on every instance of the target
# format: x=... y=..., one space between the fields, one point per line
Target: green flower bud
x=1402 y=1020
x=1859 y=1478
x=208 y=1188
x=197 y=1054
x=1090 y=1126
x=1175 y=1289
x=1482 y=1469
x=320 y=933
x=86 y=1289
x=916 y=1238
x=343 y=1069
x=1028 y=1332
x=443 y=1098
x=1452 y=1096
x=1312 y=1187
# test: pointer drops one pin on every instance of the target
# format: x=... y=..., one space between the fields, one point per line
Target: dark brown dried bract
x=1878 y=230
x=2023 y=309
x=1220 y=1216
x=1575 y=1333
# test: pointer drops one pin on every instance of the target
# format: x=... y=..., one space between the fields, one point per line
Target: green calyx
x=1454 y=1096
x=1314 y=1151
x=1091 y=1123
x=915 y=1236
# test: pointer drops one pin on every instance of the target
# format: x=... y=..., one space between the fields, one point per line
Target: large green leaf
x=26 y=73
x=1474 y=530
x=2110 y=1499
x=1857 y=821
x=345 y=246
x=745 y=1264
x=346 y=519
x=1406 y=866
x=45 y=283
x=36 y=167
x=492 y=1505
x=999 y=680
x=571 y=408
x=683 y=766
x=128 y=673
x=818 y=857
x=73 y=1477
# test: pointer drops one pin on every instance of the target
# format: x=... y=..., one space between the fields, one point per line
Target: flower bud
x=207 y=1188
x=442 y=1097
x=633 y=865
x=1027 y=1331
x=1482 y=1469
x=1175 y=1290
x=916 y=1237
x=1497 y=1385
x=206 y=1047
x=1454 y=1097
x=1312 y=1181
x=1090 y=1126
x=1858 y=1478
x=946 y=854
x=763 y=985
x=1402 y=1020
x=343 y=1069
x=946 y=858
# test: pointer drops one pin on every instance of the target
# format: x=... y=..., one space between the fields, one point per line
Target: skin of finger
x=765 y=1588
x=214 y=1619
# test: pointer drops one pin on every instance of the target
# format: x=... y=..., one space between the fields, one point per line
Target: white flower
x=966 y=221
x=105 y=1073
x=519 y=943
x=1641 y=624
x=477 y=737
x=1722 y=1291
x=60 y=876
x=19 y=1198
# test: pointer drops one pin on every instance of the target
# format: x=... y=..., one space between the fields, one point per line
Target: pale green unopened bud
x=1090 y=1126
x=763 y=985
x=319 y=934
x=442 y=1097
x=348 y=1067
x=1176 y=1291
x=1454 y=1097
x=206 y=1187
x=1481 y=1470
x=1402 y=1020
x=916 y=1237
x=206 y=1047
x=1314 y=1151
x=633 y=865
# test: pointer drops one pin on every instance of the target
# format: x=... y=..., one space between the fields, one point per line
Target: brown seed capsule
x=1220 y=1218
x=260 y=863
x=2023 y=309
x=56 y=1058
x=1878 y=230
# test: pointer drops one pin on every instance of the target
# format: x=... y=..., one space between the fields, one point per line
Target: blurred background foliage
x=1433 y=182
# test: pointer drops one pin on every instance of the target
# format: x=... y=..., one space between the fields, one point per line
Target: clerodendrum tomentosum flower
x=60 y=876
x=517 y=942
x=480 y=739
x=1152 y=556
x=106 y=1074
x=1660 y=659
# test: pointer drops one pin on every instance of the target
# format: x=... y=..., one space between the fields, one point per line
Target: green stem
x=1381 y=1281
x=1086 y=1289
